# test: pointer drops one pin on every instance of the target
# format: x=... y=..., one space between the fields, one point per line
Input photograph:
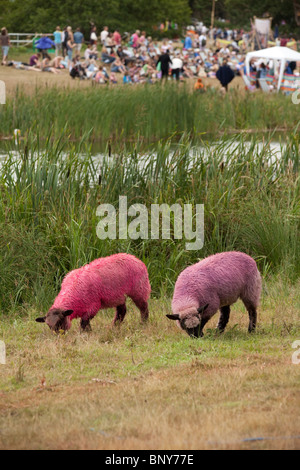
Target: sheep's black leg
x=120 y=314
x=224 y=318
x=252 y=318
x=203 y=322
x=85 y=325
x=142 y=305
x=251 y=308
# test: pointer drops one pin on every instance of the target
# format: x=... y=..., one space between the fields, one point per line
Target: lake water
x=275 y=148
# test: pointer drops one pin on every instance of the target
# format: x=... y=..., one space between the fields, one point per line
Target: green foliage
x=49 y=197
x=126 y=15
x=240 y=12
x=151 y=112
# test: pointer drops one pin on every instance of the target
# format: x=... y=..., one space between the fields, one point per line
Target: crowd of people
x=107 y=57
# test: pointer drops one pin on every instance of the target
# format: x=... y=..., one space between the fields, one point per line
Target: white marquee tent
x=278 y=54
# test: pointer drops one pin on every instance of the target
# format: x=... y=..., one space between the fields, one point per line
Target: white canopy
x=277 y=53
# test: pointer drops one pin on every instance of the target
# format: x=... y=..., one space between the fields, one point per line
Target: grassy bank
x=49 y=199
x=149 y=112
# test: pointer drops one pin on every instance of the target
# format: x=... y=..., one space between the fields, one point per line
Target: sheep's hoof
x=85 y=326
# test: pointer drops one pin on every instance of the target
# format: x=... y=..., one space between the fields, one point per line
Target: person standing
x=78 y=40
x=65 y=37
x=188 y=43
x=5 y=45
x=177 y=65
x=58 y=41
x=93 y=35
x=225 y=74
x=103 y=35
x=202 y=41
x=164 y=60
x=117 y=38
x=70 y=47
x=135 y=39
x=43 y=44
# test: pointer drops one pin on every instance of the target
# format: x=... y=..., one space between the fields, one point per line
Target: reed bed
x=49 y=195
x=150 y=112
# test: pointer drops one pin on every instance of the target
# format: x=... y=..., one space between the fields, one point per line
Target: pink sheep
x=216 y=283
x=104 y=283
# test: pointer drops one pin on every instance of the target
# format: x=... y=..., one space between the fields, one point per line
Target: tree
x=127 y=15
x=239 y=12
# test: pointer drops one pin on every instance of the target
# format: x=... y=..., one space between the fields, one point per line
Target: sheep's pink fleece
x=103 y=283
x=218 y=281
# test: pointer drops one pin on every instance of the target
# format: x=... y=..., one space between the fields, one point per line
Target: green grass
x=49 y=197
x=129 y=387
x=145 y=113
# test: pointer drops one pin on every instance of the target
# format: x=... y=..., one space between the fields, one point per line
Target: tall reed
x=150 y=112
x=49 y=195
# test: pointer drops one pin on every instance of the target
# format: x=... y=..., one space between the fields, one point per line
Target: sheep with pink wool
x=214 y=284
x=103 y=283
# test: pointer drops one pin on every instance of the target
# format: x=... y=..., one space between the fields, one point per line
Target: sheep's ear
x=202 y=309
x=173 y=316
x=66 y=313
x=40 y=319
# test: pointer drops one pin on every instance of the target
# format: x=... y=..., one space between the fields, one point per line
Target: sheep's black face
x=192 y=324
x=194 y=332
x=57 y=320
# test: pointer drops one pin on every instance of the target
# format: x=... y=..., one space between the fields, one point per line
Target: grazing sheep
x=215 y=283
x=104 y=283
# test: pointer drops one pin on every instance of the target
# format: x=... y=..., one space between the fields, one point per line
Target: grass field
x=147 y=386
x=153 y=387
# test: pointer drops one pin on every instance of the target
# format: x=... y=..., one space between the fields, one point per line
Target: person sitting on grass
x=101 y=76
x=56 y=62
x=126 y=78
x=106 y=57
x=118 y=66
x=46 y=66
x=78 y=69
x=34 y=60
x=113 y=78
x=91 y=51
x=199 y=86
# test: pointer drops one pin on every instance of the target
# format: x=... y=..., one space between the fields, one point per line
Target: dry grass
x=29 y=81
x=152 y=387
